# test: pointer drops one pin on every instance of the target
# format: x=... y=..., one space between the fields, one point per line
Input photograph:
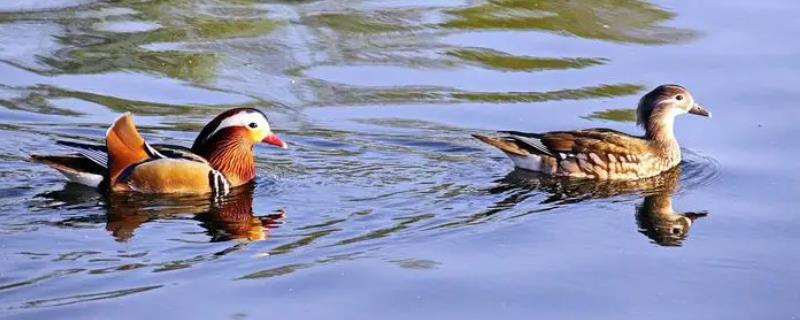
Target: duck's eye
x=679 y=97
x=253 y=125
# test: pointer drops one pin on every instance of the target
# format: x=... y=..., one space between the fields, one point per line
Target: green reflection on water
x=349 y=95
x=620 y=115
x=566 y=94
x=159 y=50
x=615 y=20
x=355 y=23
x=216 y=28
x=192 y=40
x=500 y=60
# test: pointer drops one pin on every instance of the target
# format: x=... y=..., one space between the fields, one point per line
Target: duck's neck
x=659 y=133
x=659 y=203
x=232 y=157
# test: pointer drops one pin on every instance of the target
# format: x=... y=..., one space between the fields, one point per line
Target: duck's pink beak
x=275 y=141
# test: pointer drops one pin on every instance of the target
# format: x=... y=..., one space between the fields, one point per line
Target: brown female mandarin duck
x=605 y=153
x=220 y=159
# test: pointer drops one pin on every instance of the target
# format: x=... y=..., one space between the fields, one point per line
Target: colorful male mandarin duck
x=605 y=153
x=220 y=159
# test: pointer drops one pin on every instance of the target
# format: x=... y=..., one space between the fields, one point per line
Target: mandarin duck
x=221 y=157
x=605 y=153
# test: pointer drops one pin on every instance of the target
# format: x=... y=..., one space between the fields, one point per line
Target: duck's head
x=658 y=108
x=242 y=125
x=665 y=102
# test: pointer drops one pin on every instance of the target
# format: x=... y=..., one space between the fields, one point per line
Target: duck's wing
x=94 y=152
x=598 y=144
x=564 y=144
x=99 y=153
x=125 y=147
x=516 y=144
x=133 y=165
x=178 y=152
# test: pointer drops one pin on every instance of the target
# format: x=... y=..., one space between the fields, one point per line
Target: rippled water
x=385 y=206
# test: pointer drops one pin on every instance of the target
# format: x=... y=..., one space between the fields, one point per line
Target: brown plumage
x=221 y=157
x=604 y=153
x=231 y=154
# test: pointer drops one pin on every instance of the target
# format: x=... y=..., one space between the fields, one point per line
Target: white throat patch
x=675 y=111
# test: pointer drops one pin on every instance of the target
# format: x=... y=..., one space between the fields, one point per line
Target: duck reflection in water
x=655 y=216
x=227 y=218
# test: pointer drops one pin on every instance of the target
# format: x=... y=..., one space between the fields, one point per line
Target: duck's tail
x=75 y=167
x=506 y=145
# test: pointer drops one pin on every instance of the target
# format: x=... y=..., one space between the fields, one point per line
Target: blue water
x=391 y=209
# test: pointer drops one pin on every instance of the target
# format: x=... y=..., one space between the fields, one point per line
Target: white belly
x=87 y=179
x=529 y=162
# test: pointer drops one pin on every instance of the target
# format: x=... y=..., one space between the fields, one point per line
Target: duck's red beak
x=275 y=141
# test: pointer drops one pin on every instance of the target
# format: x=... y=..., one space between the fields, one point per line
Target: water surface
x=384 y=205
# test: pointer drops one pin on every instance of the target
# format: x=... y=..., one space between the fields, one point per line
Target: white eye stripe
x=244 y=119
